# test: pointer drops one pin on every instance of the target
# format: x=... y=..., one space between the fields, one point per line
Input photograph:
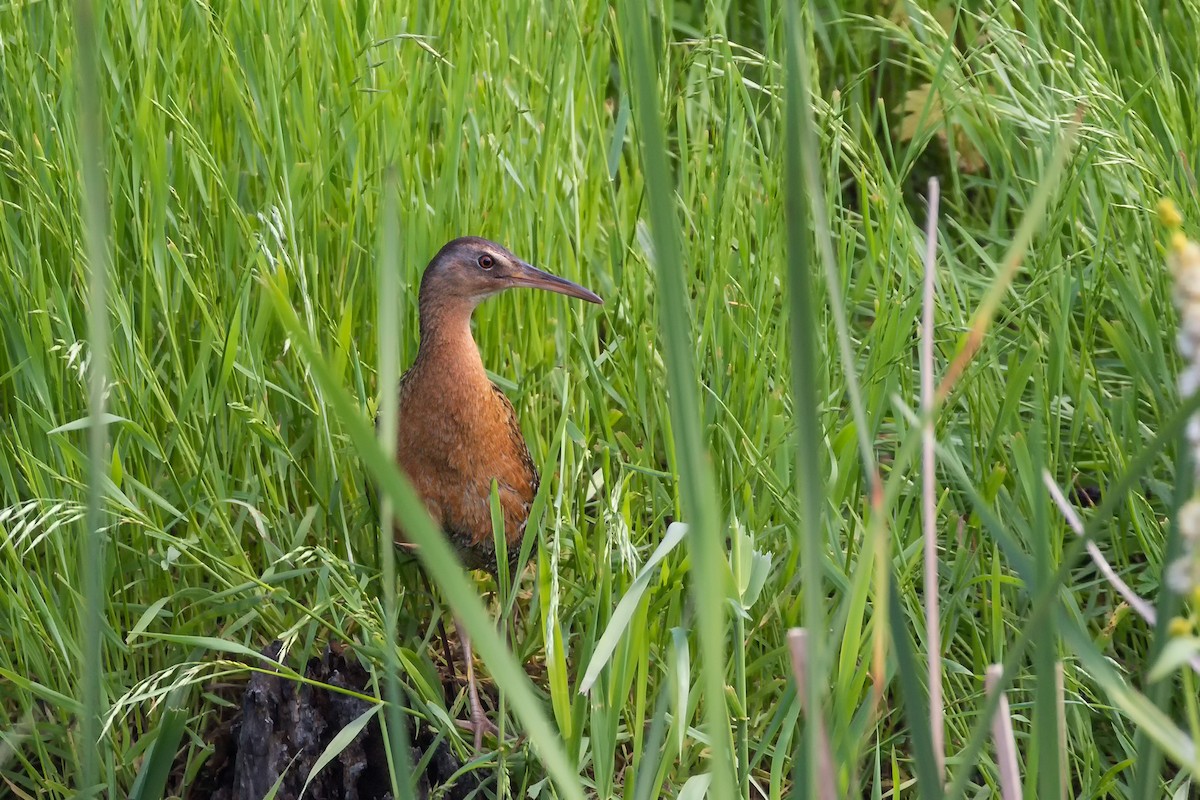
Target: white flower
x=1189 y=520
x=1187 y=283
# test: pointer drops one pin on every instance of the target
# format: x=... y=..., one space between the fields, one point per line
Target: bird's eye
x=486 y=261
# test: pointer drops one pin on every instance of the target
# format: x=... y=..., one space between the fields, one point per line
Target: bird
x=457 y=432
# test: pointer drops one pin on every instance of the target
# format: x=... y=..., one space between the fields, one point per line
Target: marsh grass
x=248 y=150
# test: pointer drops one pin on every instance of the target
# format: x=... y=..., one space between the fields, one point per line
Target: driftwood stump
x=285 y=726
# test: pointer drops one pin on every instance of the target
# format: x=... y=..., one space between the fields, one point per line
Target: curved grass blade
x=340 y=742
x=652 y=754
x=1031 y=221
x=628 y=605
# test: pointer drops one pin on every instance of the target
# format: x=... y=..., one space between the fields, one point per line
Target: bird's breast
x=454 y=439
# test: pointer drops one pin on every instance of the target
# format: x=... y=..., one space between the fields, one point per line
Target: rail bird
x=457 y=432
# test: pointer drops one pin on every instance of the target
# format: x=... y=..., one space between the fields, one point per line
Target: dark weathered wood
x=285 y=726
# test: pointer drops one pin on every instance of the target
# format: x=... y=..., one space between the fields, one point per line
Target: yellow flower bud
x=1168 y=213
x=1179 y=242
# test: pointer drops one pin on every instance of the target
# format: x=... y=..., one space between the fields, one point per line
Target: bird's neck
x=446 y=339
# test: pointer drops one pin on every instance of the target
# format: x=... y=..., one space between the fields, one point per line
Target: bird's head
x=471 y=269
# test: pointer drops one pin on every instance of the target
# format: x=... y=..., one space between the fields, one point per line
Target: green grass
x=247 y=154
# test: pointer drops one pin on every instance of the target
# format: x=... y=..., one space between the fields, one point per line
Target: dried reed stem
x=1002 y=734
x=798 y=646
x=933 y=625
x=1140 y=606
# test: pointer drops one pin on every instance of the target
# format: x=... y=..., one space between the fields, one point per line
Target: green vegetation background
x=245 y=141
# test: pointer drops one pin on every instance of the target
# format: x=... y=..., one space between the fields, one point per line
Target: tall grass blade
x=698 y=486
x=1060 y=701
x=652 y=754
x=151 y=782
x=1148 y=772
x=92 y=619
x=809 y=532
x=825 y=773
x=388 y=315
x=916 y=703
x=1044 y=738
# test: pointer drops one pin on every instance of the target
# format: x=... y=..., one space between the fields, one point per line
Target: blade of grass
x=651 y=760
x=625 y=609
x=151 y=781
x=916 y=711
x=1149 y=755
x=389 y=374
x=92 y=622
x=699 y=489
x=343 y=739
x=1060 y=703
x=1044 y=734
x=799 y=197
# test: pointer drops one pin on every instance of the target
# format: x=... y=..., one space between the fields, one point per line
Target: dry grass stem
x=1140 y=606
x=933 y=628
x=1002 y=735
x=798 y=647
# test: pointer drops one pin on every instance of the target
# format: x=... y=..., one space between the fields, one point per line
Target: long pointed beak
x=535 y=278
